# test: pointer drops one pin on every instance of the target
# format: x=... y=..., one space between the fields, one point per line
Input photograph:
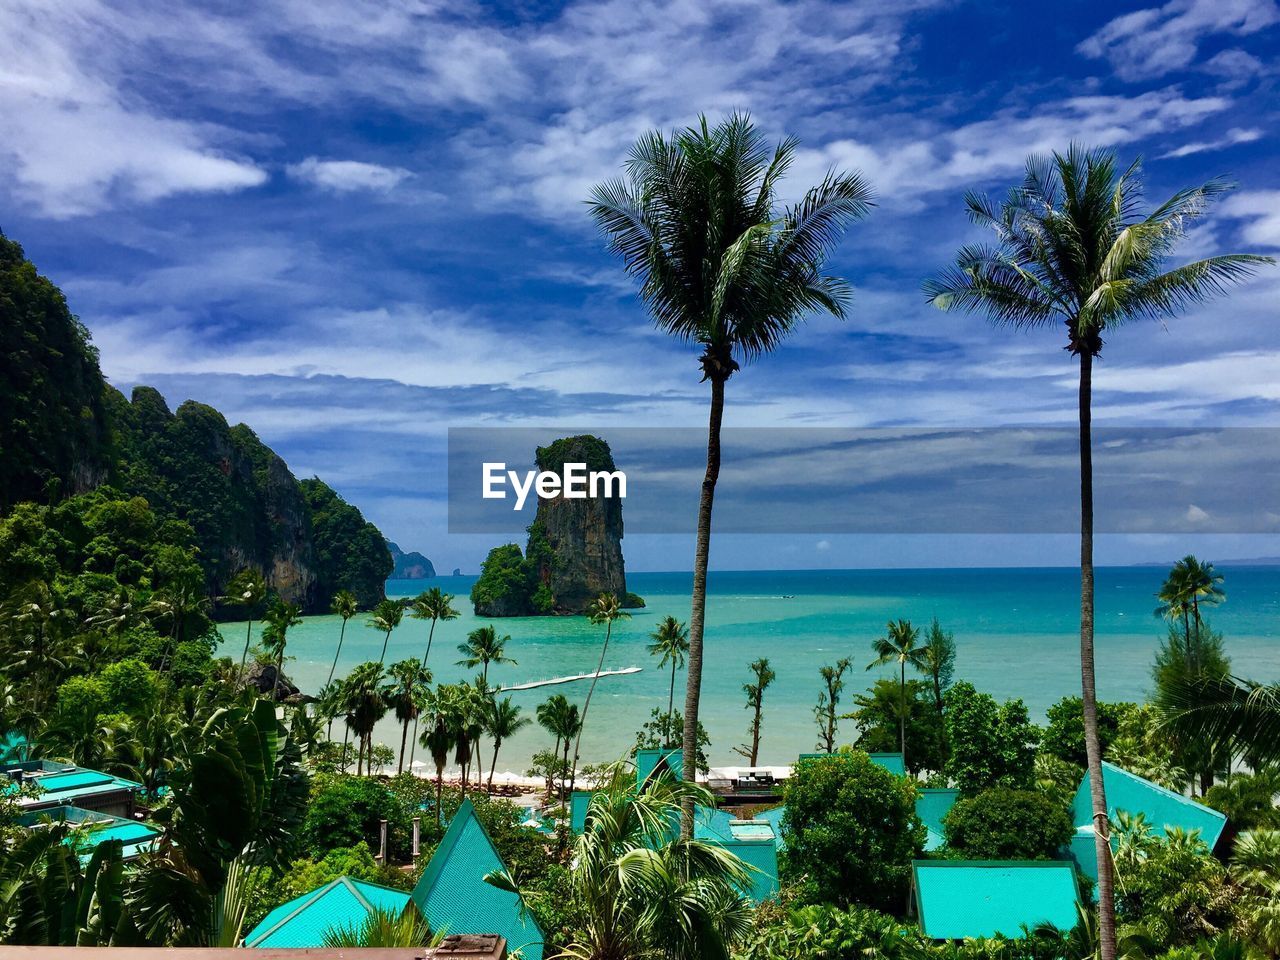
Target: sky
x=354 y=225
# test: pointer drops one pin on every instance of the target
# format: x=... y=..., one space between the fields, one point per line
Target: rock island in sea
x=574 y=550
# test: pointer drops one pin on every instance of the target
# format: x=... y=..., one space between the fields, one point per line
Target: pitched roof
x=454 y=898
x=1163 y=808
x=932 y=804
x=339 y=904
x=648 y=760
x=956 y=899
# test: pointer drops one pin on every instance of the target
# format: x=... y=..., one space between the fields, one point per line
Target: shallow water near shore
x=1017 y=635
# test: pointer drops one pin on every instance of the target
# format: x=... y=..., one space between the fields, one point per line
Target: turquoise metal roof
x=932 y=804
x=454 y=898
x=958 y=899
x=64 y=784
x=92 y=828
x=579 y=801
x=1163 y=809
x=648 y=760
x=340 y=904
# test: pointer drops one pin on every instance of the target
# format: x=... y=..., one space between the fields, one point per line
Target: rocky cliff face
x=245 y=506
x=581 y=553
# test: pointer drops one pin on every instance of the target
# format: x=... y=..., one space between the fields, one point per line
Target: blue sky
x=353 y=225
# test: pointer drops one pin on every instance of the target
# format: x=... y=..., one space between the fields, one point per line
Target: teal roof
x=1163 y=809
x=579 y=801
x=648 y=760
x=454 y=898
x=932 y=804
x=340 y=904
x=92 y=828
x=957 y=899
x=64 y=784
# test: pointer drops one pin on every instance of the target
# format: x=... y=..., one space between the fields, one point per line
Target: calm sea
x=1017 y=634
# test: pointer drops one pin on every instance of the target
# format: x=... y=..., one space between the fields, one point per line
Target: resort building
x=91 y=828
x=45 y=785
x=956 y=899
x=1163 y=809
x=452 y=897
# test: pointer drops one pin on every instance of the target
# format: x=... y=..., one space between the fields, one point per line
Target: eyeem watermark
x=575 y=483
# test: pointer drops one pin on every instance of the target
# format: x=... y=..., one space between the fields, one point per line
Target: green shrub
x=836 y=852
x=1006 y=824
x=825 y=932
x=130 y=685
x=345 y=810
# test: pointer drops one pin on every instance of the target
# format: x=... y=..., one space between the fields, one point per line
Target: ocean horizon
x=1016 y=630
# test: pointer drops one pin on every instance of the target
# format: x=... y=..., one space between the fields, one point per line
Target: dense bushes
x=1064 y=735
x=1007 y=824
x=835 y=851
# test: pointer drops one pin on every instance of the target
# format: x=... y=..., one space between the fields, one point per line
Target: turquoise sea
x=1017 y=634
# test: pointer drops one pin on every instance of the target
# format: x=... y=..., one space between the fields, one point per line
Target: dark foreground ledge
x=458 y=947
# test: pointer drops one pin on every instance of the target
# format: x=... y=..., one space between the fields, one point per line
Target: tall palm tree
x=346 y=606
x=502 y=721
x=278 y=619
x=898 y=645
x=696 y=220
x=177 y=603
x=439 y=737
x=561 y=719
x=386 y=616
x=764 y=675
x=670 y=642
x=365 y=704
x=247 y=589
x=1226 y=711
x=434 y=605
x=603 y=609
x=405 y=694
x=482 y=647
x=1074 y=247
x=38 y=619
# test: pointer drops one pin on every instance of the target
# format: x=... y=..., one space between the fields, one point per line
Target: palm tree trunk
x=404 y=738
x=385 y=640
x=439 y=796
x=902 y=710
x=248 y=635
x=1093 y=746
x=586 y=705
x=755 y=731
x=671 y=696
x=493 y=766
x=564 y=794
x=698 y=609
x=346 y=739
x=413 y=744
x=275 y=684
x=337 y=653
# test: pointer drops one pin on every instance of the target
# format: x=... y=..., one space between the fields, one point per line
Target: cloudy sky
x=353 y=225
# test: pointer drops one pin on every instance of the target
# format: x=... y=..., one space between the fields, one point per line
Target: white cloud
x=1234 y=136
x=1158 y=40
x=1260 y=209
x=76 y=144
x=1196 y=514
x=347 y=175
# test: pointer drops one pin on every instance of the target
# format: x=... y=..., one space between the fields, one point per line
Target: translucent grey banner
x=916 y=480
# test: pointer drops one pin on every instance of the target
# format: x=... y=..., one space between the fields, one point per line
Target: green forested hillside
x=53 y=428
x=64 y=430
